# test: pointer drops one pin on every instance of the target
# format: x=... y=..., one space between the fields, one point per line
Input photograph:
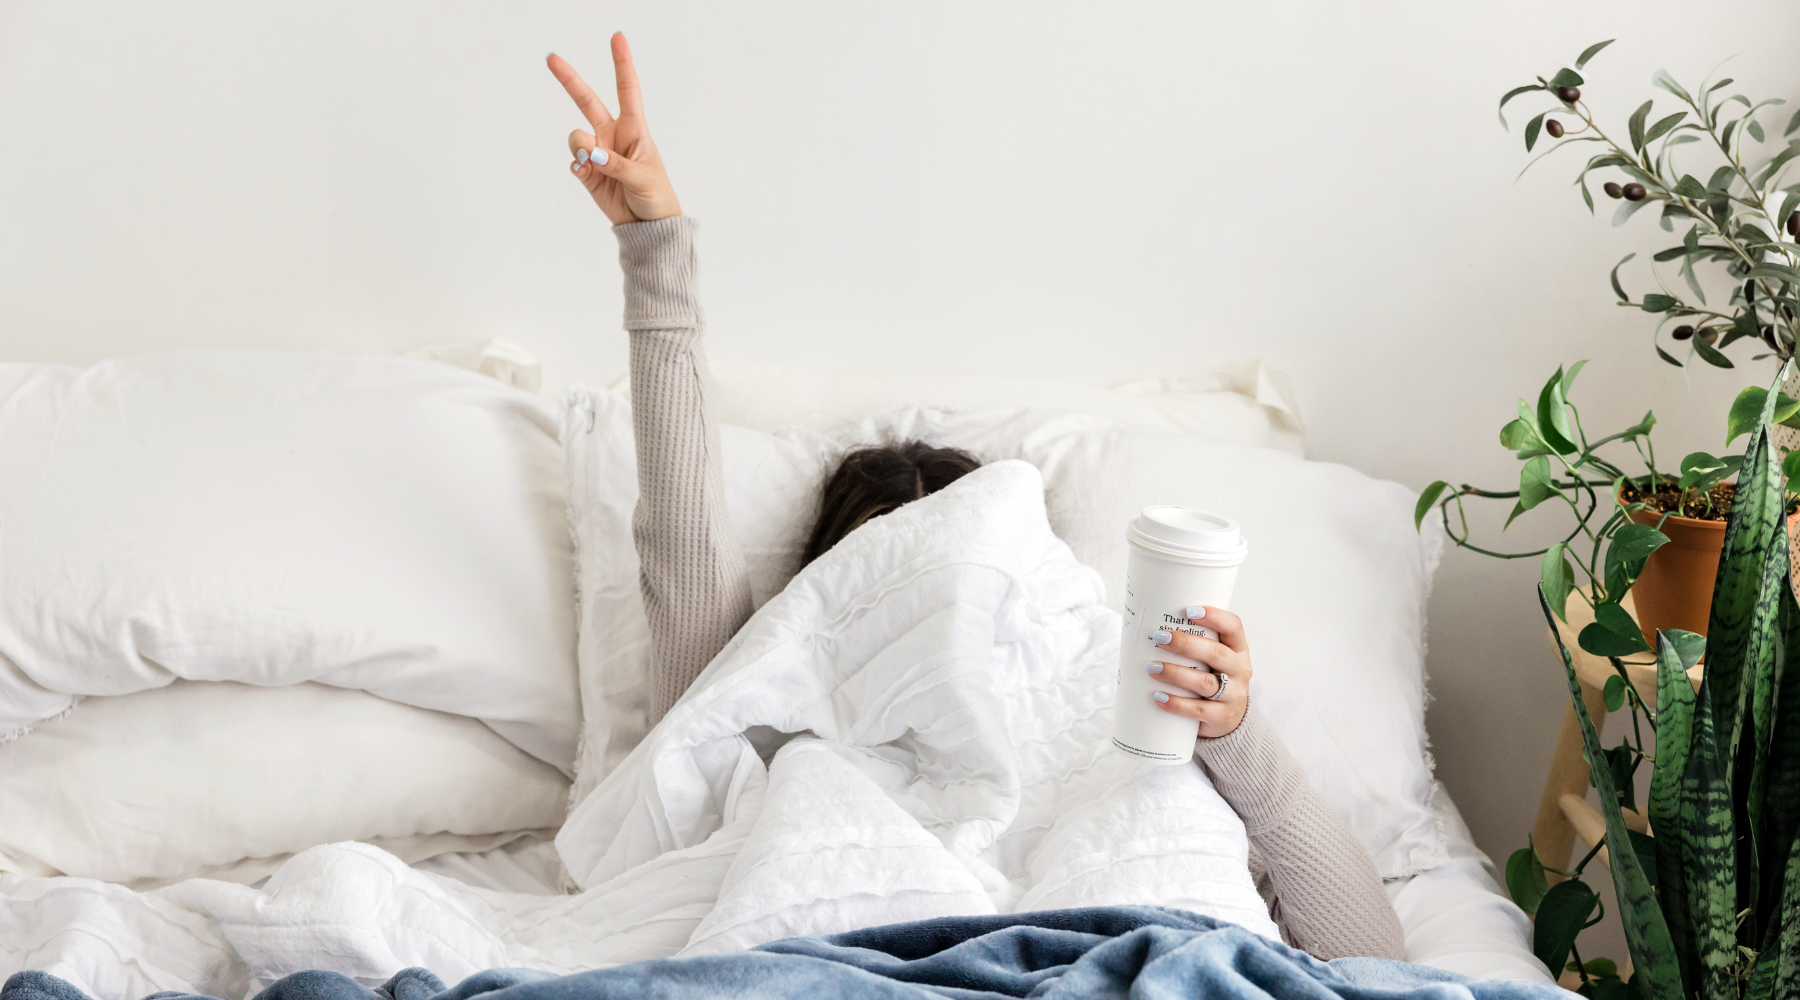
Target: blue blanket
x=1143 y=953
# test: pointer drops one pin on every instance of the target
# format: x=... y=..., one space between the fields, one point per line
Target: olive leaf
x=1620 y=289
x=1531 y=130
x=1591 y=51
x=1637 y=125
x=1516 y=91
x=1656 y=302
x=1662 y=127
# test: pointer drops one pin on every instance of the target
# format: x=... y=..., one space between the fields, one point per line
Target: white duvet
x=948 y=671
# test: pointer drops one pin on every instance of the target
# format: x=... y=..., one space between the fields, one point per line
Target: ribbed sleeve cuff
x=1254 y=772
x=658 y=260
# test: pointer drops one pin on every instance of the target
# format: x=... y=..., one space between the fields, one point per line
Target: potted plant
x=1710 y=897
x=1729 y=226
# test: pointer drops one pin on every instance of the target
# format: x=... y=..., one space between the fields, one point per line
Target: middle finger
x=1203 y=683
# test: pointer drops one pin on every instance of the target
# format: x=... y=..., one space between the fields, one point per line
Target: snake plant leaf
x=1766 y=654
x=1743 y=586
x=1644 y=846
x=1561 y=915
x=1709 y=854
x=1783 y=938
x=1646 y=932
x=1781 y=803
x=1674 y=737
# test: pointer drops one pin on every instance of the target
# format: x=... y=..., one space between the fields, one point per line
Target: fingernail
x=1160 y=697
x=1153 y=668
x=599 y=157
x=1194 y=614
x=1161 y=637
x=575 y=168
x=581 y=156
x=548 y=54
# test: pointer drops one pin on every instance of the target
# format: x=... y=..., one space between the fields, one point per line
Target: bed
x=541 y=492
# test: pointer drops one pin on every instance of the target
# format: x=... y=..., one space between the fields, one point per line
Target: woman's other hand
x=1228 y=657
x=618 y=162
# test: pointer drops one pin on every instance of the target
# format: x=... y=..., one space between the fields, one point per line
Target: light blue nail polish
x=548 y=54
x=1195 y=614
x=1160 y=697
x=599 y=157
x=1153 y=667
x=581 y=156
x=1161 y=636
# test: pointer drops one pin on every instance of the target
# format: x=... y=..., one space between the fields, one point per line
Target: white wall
x=1097 y=191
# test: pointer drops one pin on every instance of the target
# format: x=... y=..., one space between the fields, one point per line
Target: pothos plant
x=1737 y=217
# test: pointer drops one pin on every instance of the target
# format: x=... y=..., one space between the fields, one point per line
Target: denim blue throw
x=1115 y=951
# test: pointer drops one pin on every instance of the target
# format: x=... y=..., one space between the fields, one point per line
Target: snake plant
x=1710 y=899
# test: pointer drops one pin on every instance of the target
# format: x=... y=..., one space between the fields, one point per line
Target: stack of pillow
x=255 y=602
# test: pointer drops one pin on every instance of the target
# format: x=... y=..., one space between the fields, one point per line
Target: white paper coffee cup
x=1178 y=557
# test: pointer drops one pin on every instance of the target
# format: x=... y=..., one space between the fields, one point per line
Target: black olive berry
x=1568 y=95
x=1633 y=191
x=1554 y=127
x=1613 y=190
x=1793 y=224
x=1682 y=332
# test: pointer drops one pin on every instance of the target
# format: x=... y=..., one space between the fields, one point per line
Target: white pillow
x=1333 y=593
x=1237 y=402
x=276 y=517
x=226 y=780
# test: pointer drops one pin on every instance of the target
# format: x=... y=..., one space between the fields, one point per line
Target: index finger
x=631 y=102
x=1227 y=626
x=592 y=108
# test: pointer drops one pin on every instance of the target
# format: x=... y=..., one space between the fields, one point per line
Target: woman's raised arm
x=696 y=589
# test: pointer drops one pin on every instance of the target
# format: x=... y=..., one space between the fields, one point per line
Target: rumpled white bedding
x=950 y=668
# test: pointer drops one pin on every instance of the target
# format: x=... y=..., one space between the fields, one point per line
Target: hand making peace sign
x=618 y=162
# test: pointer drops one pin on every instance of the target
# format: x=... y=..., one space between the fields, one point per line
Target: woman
x=1320 y=884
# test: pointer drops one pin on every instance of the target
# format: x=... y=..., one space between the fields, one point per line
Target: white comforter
x=950 y=670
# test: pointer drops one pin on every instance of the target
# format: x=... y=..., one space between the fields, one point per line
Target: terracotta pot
x=1675 y=589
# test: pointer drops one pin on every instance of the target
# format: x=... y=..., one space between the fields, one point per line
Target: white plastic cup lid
x=1189 y=534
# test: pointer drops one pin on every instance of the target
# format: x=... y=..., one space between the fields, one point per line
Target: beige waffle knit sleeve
x=696 y=588
x=1328 y=899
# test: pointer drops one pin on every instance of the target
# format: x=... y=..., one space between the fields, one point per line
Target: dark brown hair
x=871 y=482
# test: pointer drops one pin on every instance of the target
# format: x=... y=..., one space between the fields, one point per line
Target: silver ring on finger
x=1220 y=693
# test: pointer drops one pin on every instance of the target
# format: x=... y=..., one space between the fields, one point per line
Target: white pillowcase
x=1236 y=402
x=1333 y=593
x=225 y=780
x=276 y=517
